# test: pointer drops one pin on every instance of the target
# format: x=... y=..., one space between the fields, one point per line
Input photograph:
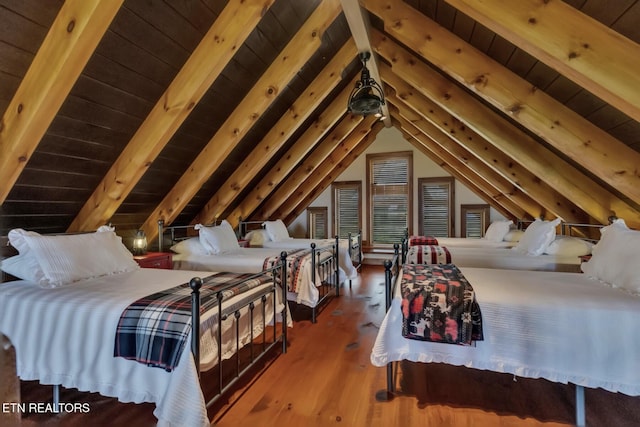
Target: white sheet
x=508 y=259
x=251 y=260
x=344 y=260
x=465 y=242
x=563 y=327
x=66 y=336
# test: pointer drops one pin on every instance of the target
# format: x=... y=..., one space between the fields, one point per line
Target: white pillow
x=615 y=258
x=191 y=246
x=277 y=230
x=569 y=246
x=497 y=230
x=23 y=267
x=537 y=237
x=513 y=236
x=69 y=258
x=219 y=239
x=257 y=238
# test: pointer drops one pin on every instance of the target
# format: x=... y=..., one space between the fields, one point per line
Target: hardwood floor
x=326 y=379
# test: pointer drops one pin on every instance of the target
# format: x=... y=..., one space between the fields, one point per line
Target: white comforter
x=563 y=327
x=66 y=336
x=508 y=259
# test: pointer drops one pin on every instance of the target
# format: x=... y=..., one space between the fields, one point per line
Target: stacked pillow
x=257 y=238
x=53 y=261
x=537 y=237
x=276 y=230
x=498 y=230
x=615 y=258
x=190 y=246
x=568 y=246
x=219 y=239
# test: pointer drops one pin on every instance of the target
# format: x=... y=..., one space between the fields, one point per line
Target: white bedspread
x=508 y=259
x=466 y=242
x=66 y=336
x=560 y=326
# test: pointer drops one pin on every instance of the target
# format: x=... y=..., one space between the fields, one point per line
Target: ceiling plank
x=205 y=64
x=592 y=198
x=475 y=146
x=592 y=55
x=359 y=26
x=314 y=176
x=299 y=111
x=333 y=173
x=287 y=163
x=292 y=58
x=70 y=42
x=612 y=161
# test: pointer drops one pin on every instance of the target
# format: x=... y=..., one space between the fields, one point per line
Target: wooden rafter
x=612 y=161
x=576 y=45
x=205 y=64
x=299 y=111
x=65 y=51
x=473 y=147
x=584 y=192
x=293 y=57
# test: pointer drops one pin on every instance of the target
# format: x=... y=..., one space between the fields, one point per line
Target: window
x=317 y=223
x=475 y=220
x=346 y=198
x=389 y=178
x=436 y=206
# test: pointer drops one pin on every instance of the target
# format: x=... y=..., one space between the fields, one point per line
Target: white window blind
x=389 y=190
x=474 y=224
x=317 y=223
x=435 y=206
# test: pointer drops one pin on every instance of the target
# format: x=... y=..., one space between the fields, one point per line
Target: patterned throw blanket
x=297 y=261
x=154 y=330
x=439 y=305
x=428 y=254
x=422 y=240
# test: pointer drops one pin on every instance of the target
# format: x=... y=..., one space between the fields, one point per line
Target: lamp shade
x=140 y=243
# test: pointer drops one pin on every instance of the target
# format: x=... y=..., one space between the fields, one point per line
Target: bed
x=313 y=270
x=564 y=327
x=76 y=318
x=274 y=234
x=537 y=248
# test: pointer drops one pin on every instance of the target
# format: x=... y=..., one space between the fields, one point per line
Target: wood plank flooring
x=326 y=379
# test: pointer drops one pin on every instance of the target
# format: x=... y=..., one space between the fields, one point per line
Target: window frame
x=338 y=185
x=450 y=182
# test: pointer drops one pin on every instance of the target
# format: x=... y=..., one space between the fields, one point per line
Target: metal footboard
x=328 y=270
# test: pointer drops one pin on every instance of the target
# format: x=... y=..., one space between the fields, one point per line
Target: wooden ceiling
x=190 y=110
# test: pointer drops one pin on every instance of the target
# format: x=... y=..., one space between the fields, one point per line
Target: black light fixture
x=367 y=97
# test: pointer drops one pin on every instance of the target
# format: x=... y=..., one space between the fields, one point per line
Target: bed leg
x=580 y=408
x=56 y=396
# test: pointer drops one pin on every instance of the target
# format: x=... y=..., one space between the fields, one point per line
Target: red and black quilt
x=428 y=254
x=439 y=305
x=422 y=240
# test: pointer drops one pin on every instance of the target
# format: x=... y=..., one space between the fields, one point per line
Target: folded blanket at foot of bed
x=428 y=254
x=422 y=240
x=439 y=305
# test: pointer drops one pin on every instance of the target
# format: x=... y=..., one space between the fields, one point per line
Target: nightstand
x=162 y=260
x=244 y=243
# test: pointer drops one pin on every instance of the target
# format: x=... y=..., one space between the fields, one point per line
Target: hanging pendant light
x=367 y=96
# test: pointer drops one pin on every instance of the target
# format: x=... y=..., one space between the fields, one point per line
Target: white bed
x=564 y=327
x=467 y=242
x=509 y=259
x=76 y=325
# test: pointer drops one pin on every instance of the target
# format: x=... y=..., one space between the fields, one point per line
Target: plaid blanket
x=297 y=261
x=422 y=240
x=428 y=254
x=439 y=305
x=154 y=330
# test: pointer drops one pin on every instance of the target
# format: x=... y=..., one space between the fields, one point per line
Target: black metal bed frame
x=326 y=266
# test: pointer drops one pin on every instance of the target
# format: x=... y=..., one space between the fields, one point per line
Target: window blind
x=389 y=186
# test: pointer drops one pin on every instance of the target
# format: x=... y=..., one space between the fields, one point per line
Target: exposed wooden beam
x=293 y=57
x=287 y=163
x=472 y=147
x=315 y=176
x=205 y=64
x=359 y=26
x=323 y=150
x=589 y=196
x=334 y=172
x=65 y=51
x=502 y=188
x=591 y=54
x=612 y=161
x=515 y=215
x=299 y=111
